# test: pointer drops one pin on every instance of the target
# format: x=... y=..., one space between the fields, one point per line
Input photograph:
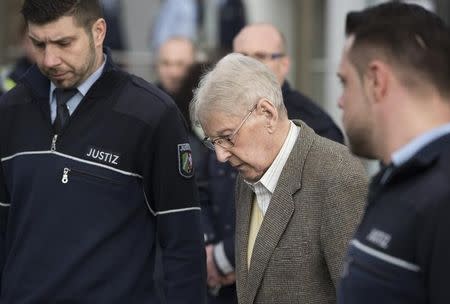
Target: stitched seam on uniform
x=4 y=205
x=385 y=257
x=72 y=158
x=155 y=213
x=23 y=153
x=178 y=210
x=148 y=205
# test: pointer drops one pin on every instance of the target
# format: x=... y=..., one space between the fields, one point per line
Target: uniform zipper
x=66 y=171
x=65 y=177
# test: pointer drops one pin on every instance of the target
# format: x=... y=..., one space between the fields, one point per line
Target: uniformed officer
x=395 y=72
x=96 y=168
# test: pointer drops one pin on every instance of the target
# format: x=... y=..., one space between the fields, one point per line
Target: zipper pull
x=55 y=138
x=65 y=177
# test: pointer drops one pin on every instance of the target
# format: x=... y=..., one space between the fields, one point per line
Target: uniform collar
x=406 y=152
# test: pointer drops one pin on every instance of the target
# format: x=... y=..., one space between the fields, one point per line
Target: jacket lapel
x=243 y=210
x=278 y=215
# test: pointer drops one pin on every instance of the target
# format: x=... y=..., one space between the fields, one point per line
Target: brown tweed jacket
x=314 y=210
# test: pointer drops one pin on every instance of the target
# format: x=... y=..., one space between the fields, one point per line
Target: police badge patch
x=185 y=165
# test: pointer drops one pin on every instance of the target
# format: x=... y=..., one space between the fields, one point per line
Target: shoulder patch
x=185 y=164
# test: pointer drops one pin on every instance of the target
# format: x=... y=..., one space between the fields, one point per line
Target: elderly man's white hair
x=235 y=84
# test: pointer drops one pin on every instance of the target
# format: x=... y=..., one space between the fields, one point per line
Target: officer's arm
x=4 y=210
x=200 y=157
x=177 y=211
x=341 y=212
x=434 y=239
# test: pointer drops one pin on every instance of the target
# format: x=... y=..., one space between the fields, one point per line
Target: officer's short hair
x=407 y=36
x=86 y=12
x=234 y=85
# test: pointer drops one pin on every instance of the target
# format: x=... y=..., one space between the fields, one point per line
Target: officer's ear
x=377 y=78
x=99 y=32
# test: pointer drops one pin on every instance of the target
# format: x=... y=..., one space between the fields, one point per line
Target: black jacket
x=301 y=107
x=80 y=214
x=401 y=250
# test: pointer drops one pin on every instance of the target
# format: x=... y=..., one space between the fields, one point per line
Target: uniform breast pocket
x=70 y=173
x=371 y=276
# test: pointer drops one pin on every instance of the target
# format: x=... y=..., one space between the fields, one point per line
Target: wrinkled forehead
x=218 y=122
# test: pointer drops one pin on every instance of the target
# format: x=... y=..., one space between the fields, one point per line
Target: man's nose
x=51 y=57
x=222 y=154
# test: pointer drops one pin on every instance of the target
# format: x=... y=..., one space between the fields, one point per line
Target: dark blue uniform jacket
x=401 y=250
x=80 y=213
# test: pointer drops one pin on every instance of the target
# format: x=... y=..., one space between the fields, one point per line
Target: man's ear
x=268 y=112
x=377 y=79
x=99 y=31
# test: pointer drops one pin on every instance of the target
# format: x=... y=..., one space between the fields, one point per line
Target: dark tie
x=62 y=113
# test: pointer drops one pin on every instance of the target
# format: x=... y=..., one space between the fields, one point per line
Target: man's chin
x=64 y=84
x=249 y=177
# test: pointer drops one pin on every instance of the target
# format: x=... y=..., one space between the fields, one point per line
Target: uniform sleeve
x=200 y=158
x=434 y=240
x=177 y=211
x=224 y=255
x=4 y=210
x=342 y=212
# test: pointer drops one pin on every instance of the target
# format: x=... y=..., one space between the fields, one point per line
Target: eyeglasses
x=262 y=56
x=226 y=142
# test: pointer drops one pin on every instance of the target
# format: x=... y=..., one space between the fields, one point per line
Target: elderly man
x=268 y=45
x=299 y=195
x=395 y=72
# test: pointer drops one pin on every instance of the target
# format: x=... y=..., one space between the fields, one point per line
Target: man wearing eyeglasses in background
x=299 y=195
x=267 y=44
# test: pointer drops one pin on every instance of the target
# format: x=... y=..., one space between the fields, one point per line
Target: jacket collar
x=422 y=159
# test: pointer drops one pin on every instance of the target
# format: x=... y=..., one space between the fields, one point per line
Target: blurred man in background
x=395 y=72
x=175 y=57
